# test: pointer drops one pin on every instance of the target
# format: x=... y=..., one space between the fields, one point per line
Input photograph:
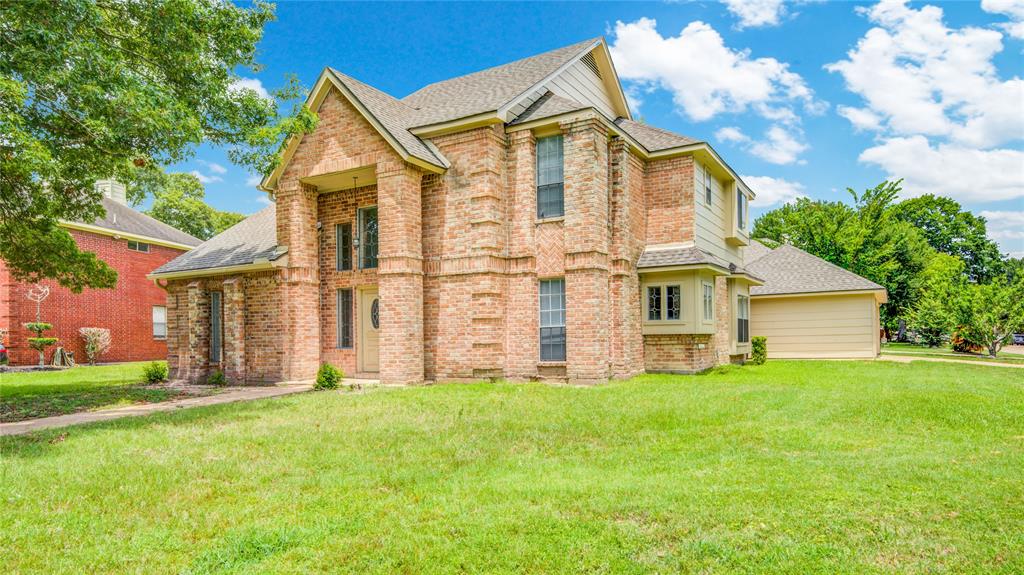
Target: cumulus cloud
x=959 y=172
x=253 y=181
x=731 y=134
x=1007 y=229
x=756 y=13
x=213 y=167
x=770 y=191
x=264 y=199
x=251 y=84
x=205 y=179
x=777 y=146
x=917 y=76
x=1012 y=9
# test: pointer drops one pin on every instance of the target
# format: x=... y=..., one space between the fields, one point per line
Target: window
x=672 y=301
x=741 y=210
x=216 y=327
x=709 y=302
x=550 y=179
x=742 y=319
x=664 y=302
x=552 y=320
x=345 y=318
x=368 y=237
x=654 y=303
x=343 y=239
x=159 y=322
x=707 y=186
x=138 y=246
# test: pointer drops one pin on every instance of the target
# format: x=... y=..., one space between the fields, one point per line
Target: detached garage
x=809 y=308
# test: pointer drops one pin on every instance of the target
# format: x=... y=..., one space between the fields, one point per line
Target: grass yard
x=945 y=352
x=790 y=467
x=32 y=394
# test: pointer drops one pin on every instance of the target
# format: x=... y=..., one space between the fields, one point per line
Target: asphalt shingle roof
x=122 y=218
x=787 y=270
x=253 y=238
x=755 y=251
x=661 y=257
x=654 y=139
x=548 y=105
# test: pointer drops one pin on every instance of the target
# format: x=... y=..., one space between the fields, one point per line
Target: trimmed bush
x=758 y=350
x=40 y=343
x=97 y=342
x=329 y=377
x=217 y=378
x=155 y=372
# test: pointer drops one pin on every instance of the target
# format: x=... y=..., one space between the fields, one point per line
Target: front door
x=369 y=330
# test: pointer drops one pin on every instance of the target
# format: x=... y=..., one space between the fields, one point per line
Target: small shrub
x=97 y=342
x=217 y=378
x=962 y=345
x=328 y=377
x=40 y=343
x=759 y=350
x=155 y=372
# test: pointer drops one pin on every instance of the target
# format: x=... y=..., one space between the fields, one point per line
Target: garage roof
x=790 y=270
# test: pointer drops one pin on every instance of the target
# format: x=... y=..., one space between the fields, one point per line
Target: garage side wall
x=817 y=326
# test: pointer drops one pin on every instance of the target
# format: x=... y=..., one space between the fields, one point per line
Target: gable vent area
x=592 y=64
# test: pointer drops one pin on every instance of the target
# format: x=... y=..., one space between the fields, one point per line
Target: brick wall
x=126 y=310
x=679 y=353
x=668 y=187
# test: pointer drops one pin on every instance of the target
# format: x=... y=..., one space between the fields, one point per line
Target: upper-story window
x=138 y=246
x=741 y=210
x=550 y=177
x=368 y=237
x=707 y=187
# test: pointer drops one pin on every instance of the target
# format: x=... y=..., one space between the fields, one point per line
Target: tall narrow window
x=672 y=302
x=654 y=303
x=550 y=179
x=368 y=237
x=216 y=327
x=742 y=319
x=159 y=322
x=741 y=210
x=707 y=186
x=552 y=320
x=345 y=318
x=343 y=239
x=709 y=302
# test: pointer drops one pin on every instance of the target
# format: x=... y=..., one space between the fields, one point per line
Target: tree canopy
x=94 y=89
x=179 y=201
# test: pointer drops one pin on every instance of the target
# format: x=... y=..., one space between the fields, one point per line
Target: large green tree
x=865 y=238
x=179 y=200
x=93 y=89
x=951 y=230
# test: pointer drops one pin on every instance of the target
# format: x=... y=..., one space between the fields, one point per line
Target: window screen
x=552 y=320
x=345 y=318
x=550 y=179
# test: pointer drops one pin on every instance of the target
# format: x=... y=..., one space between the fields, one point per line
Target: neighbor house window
x=742 y=319
x=707 y=187
x=159 y=321
x=552 y=320
x=138 y=246
x=368 y=237
x=741 y=210
x=343 y=238
x=664 y=302
x=550 y=179
x=709 y=302
x=216 y=327
x=345 y=318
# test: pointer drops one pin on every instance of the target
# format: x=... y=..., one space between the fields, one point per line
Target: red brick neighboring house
x=134 y=311
x=516 y=223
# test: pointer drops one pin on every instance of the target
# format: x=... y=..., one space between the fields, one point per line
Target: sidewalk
x=910 y=357
x=230 y=395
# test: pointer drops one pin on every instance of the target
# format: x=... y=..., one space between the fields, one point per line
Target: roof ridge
x=348 y=77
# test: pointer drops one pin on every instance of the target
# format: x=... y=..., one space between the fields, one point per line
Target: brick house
x=134 y=311
x=515 y=223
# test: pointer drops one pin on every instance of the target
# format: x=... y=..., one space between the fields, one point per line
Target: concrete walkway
x=910 y=357
x=229 y=395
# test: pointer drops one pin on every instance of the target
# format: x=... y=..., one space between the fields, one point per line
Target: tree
x=178 y=200
x=951 y=230
x=990 y=313
x=1014 y=268
x=93 y=89
x=942 y=285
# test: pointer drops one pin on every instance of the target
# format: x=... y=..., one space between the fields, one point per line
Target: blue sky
x=801 y=98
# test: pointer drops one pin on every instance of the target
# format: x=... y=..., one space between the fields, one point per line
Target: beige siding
x=578 y=82
x=710 y=220
x=809 y=326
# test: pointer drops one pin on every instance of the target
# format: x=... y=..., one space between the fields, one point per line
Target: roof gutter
x=126 y=235
x=259 y=265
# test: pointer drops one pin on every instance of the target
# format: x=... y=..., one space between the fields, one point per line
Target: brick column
x=587 y=234
x=300 y=296
x=626 y=247
x=400 y=272
x=198 y=353
x=234 y=330
x=522 y=345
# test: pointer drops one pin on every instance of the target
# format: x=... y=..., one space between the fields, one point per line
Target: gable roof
x=654 y=139
x=790 y=270
x=547 y=106
x=121 y=218
x=755 y=251
x=247 y=242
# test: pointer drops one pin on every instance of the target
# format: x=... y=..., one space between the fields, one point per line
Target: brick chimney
x=114 y=190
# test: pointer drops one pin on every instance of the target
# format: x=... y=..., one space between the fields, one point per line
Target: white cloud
x=770 y=191
x=1007 y=229
x=264 y=199
x=777 y=146
x=253 y=181
x=251 y=84
x=756 y=13
x=704 y=76
x=962 y=173
x=204 y=179
x=731 y=134
x=919 y=77
x=214 y=167
x=1012 y=9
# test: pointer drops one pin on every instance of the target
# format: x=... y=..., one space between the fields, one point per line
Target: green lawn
x=791 y=467
x=31 y=394
x=945 y=352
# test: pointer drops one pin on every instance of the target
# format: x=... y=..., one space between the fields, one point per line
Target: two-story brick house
x=134 y=310
x=515 y=222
